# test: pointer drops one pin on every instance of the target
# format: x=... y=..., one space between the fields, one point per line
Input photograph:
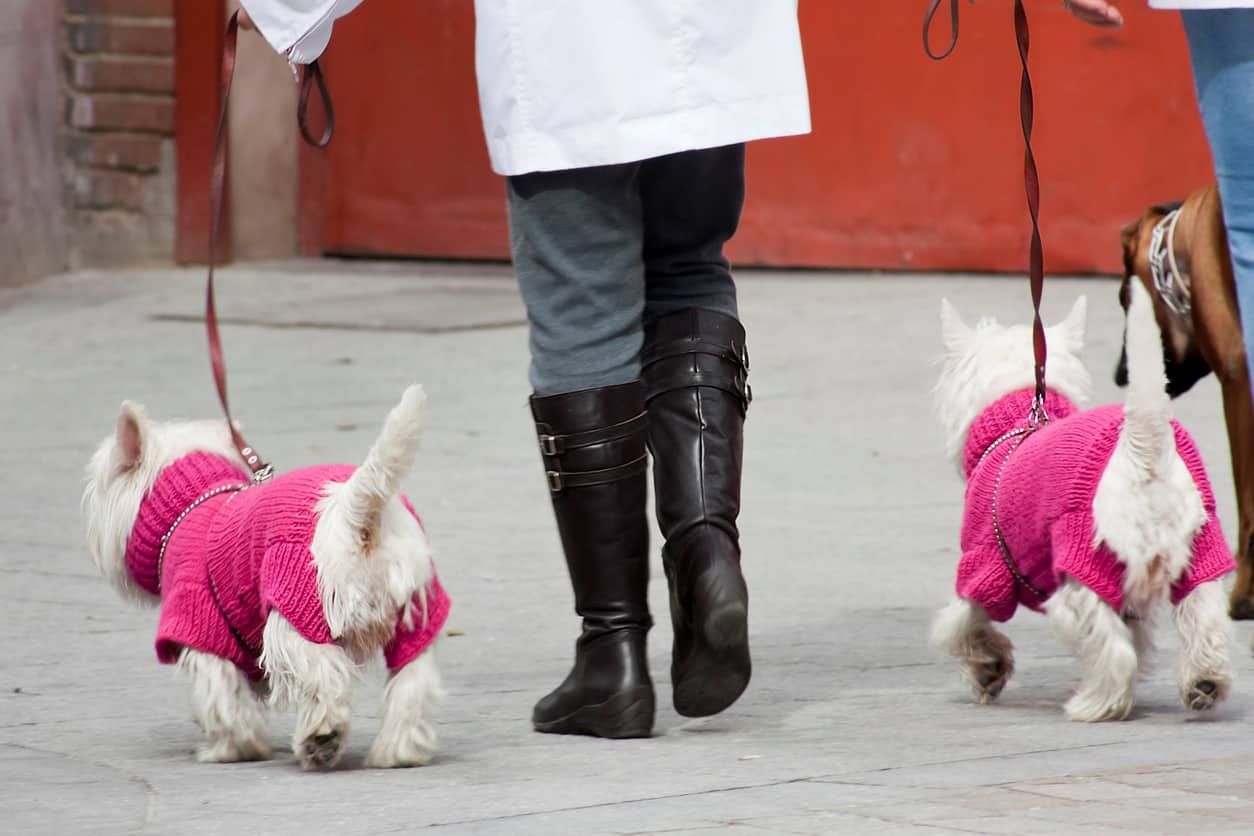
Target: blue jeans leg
x=576 y=237
x=692 y=203
x=1221 y=45
x=600 y=251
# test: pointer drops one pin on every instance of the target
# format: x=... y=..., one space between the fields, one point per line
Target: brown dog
x=1195 y=303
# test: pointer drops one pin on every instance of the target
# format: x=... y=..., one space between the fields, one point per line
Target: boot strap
x=737 y=355
x=737 y=386
x=560 y=480
x=552 y=444
x=733 y=378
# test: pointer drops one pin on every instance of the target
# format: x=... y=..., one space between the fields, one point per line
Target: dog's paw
x=227 y=750
x=1241 y=609
x=1204 y=694
x=322 y=750
x=414 y=750
x=1090 y=708
x=988 y=677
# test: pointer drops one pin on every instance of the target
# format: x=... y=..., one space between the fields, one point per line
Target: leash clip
x=1037 y=417
x=263 y=474
x=262 y=471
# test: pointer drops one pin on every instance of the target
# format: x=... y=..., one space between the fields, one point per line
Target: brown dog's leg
x=1220 y=342
x=1239 y=416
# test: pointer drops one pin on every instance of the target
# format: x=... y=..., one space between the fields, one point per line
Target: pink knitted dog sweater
x=240 y=554
x=1045 y=507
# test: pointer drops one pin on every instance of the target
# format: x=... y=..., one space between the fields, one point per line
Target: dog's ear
x=1071 y=329
x=1130 y=239
x=954 y=332
x=1129 y=232
x=132 y=433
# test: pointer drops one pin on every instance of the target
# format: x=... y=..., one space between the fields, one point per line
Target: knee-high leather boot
x=593 y=445
x=695 y=368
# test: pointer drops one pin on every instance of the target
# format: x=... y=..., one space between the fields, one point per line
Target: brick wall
x=119 y=129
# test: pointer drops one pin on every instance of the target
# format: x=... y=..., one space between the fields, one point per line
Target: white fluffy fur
x=123 y=470
x=1206 y=636
x=227 y=709
x=964 y=631
x=370 y=552
x=318 y=680
x=1147 y=510
x=983 y=363
x=408 y=736
x=1102 y=641
x=371 y=556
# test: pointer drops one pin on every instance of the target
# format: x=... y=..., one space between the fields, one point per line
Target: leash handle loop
x=261 y=470
x=312 y=76
x=928 y=17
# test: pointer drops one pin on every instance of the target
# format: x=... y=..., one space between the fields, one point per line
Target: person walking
x=620 y=127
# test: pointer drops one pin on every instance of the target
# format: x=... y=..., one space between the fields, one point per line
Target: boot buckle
x=743 y=388
x=555 y=481
x=551 y=445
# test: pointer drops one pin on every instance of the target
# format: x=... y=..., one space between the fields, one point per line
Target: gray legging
x=600 y=251
x=1221 y=44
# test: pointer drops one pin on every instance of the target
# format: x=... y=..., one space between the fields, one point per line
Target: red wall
x=919 y=165
x=912 y=164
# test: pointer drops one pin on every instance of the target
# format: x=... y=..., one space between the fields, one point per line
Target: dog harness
x=222 y=552
x=1045 y=507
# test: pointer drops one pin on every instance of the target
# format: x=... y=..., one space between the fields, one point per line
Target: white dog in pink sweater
x=294 y=582
x=1099 y=517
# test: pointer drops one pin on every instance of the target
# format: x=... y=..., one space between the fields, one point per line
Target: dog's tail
x=1147 y=433
x=378 y=480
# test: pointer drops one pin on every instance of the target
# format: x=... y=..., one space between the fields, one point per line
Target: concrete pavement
x=852 y=725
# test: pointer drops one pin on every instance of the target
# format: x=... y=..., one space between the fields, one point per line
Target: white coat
x=1202 y=4
x=574 y=83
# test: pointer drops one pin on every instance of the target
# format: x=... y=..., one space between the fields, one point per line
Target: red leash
x=217 y=181
x=1031 y=184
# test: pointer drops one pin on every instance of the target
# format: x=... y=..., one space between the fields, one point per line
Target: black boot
x=594 y=454
x=695 y=368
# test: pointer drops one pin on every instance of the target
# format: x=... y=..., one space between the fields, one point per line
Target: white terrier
x=296 y=581
x=1097 y=517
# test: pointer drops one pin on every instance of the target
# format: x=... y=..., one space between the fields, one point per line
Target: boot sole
x=717 y=671
x=623 y=716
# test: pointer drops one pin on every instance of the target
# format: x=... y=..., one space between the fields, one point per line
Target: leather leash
x=1031 y=185
x=1036 y=265
x=217 y=181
